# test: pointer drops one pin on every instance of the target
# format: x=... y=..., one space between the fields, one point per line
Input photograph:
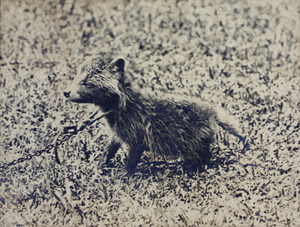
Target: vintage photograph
x=149 y=113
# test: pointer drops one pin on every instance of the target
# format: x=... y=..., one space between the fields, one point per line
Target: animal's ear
x=118 y=65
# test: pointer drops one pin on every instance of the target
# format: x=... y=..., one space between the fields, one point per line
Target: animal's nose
x=67 y=94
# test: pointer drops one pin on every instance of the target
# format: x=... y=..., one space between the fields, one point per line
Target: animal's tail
x=229 y=123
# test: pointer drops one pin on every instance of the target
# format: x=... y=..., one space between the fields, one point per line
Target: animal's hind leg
x=205 y=155
x=133 y=159
x=202 y=158
x=111 y=150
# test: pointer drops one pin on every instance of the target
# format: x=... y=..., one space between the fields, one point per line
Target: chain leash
x=27 y=157
x=61 y=137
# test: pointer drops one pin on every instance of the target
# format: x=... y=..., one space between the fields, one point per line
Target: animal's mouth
x=73 y=98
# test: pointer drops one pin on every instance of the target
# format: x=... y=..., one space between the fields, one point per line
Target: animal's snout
x=67 y=94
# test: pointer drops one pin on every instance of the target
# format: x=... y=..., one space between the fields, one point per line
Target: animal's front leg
x=110 y=151
x=133 y=159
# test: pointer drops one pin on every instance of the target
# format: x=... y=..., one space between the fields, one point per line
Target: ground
x=242 y=56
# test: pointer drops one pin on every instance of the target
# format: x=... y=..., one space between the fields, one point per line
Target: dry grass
x=234 y=54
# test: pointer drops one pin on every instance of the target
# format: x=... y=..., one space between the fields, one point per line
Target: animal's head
x=99 y=81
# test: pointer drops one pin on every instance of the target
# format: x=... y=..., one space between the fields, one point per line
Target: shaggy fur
x=163 y=126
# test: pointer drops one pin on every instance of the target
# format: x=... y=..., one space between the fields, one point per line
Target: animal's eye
x=97 y=71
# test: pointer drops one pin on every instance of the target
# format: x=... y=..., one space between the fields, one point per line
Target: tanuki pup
x=166 y=127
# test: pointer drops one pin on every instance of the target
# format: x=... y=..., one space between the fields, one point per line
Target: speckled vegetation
x=239 y=55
